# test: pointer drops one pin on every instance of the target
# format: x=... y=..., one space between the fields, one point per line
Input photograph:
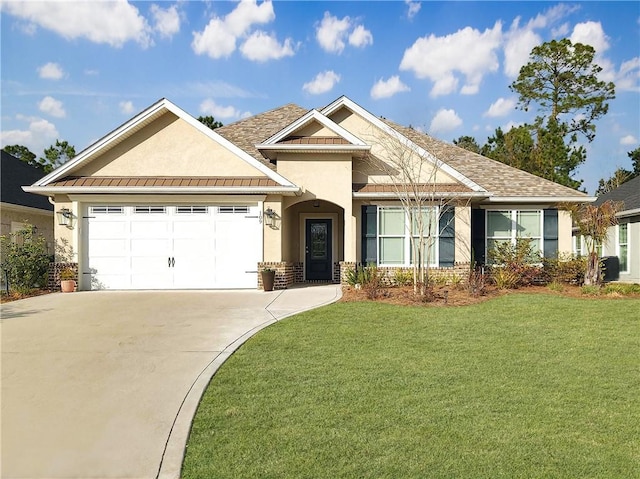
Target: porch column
x=350 y=236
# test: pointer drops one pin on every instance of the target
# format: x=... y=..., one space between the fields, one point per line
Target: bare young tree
x=412 y=175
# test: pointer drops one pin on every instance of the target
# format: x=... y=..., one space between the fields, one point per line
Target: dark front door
x=318 y=263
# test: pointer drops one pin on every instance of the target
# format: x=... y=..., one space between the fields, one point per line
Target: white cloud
x=360 y=37
x=414 y=8
x=388 y=88
x=468 y=52
x=628 y=140
x=517 y=46
x=444 y=121
x=590 y=33
x=560 y=31
x=112 y=23
x=126 y=107
x=39 y=134
x=51 y=106
x=628 y=76
x=261 y=47
x=219 y=37
x=51 y=71
x=166 y=21
x=210 y=107
x=501 y=107
x=322 y=83
x=332 y=33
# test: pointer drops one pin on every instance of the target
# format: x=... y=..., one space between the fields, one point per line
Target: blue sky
x=77 y=70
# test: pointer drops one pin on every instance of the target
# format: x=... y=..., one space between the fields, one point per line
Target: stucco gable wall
x=314 y=129
x=168 y=147
x=382 y=146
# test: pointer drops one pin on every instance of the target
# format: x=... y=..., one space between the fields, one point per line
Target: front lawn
x=520 y=386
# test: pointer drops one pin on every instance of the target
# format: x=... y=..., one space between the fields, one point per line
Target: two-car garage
x=180 y=246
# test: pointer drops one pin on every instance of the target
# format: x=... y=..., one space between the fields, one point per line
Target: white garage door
x=173 y=247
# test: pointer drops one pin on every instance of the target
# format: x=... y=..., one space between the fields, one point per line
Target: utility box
x=611 y=265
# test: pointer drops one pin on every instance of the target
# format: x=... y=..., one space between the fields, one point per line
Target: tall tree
x=468 y=143
x=23 y=153
x=562 y=80
x=210 y=121
x=621 y=175
x=56 y=155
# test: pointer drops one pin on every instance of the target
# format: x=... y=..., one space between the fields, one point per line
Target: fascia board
x=542 y=199
x=314 y=147
x=625 y=213
x=389 y=194
x=354 y=107
x=305 y=120
x=154 y=190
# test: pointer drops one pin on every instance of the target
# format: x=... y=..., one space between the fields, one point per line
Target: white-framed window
x=395 y=233
x=578 y=245
x=149 y=210
x=233 y=209
x=623 y=247
x=106 y=210
x=183 y=210
x=509 y=225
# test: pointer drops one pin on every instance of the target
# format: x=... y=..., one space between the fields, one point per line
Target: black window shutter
x=447 y=241
x=550 y=231
x=478 y=236
x=369 y=234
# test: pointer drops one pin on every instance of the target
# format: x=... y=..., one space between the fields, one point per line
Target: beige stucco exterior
x=169 y=147
x=14 y=216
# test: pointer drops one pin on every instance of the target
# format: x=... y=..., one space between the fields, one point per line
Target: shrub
x=591 y=290
x=25 y=261
x=505 y=278
x=556 y=286
x=564 y=269
x=515 y=265
x=403 y=277
x=476 y=283
x=369 y=277
x=621 y=288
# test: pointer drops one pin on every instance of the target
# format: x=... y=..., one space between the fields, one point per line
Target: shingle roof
x=16 y=174
x=247 y=133
x=493 y=176
x=628 y=193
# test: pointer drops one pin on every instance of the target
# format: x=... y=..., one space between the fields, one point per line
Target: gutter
x=542 y=199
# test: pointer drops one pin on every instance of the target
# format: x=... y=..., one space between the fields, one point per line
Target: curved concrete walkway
x=106 y=384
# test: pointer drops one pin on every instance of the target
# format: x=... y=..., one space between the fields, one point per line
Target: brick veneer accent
x=53 y=282
x=287 y=273
x=460 y=270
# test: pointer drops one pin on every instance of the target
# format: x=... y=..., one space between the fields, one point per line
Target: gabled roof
x=285 y=139
x=137 y=123
x=628 y=193
x=16 y=174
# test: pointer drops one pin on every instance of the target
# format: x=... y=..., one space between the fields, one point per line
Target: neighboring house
x=163 y=202
x=623 y=240
x=19 y=207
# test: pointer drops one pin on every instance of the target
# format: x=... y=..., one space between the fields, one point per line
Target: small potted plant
x=67 y=280
x=268 y=278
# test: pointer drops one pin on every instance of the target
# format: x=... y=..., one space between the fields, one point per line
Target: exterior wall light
x=65 y=217
x=269 y=217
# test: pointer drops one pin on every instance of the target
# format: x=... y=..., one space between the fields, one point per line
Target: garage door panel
x=110 y=247
x=150 y=247
x=151 y=229
x=109 y=228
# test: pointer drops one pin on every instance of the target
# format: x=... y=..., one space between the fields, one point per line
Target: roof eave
x=393 y=195
x=542 y=199
x=136 y=190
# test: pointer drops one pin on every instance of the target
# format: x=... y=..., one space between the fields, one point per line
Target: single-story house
x=623 y=239
x=163 y=202
x=18 y=207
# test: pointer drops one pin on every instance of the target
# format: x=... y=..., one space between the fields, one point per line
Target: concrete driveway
x=105 y=384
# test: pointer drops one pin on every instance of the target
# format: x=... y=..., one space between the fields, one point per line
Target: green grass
x=522 y=386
